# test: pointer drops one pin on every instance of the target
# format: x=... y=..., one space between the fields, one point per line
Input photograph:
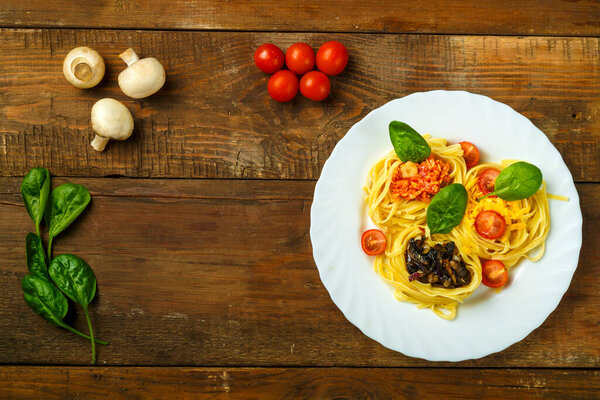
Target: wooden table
x=198 y=230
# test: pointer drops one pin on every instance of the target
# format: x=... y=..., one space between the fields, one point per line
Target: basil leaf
x=34 y=189
x=408 y=144
x=447 y=208
x=45 y=299
x=36 y=258
x=517 y=181
x=74 y=277
x=66 y=203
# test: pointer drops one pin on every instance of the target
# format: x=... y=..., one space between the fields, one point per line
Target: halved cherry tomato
x=373 y=242
x=470 y=154
x=489 y=224
x=300 y=58
x=269 y=58
x=494 y=274
x=487 y=180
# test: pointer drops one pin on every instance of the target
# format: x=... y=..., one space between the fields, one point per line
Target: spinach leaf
x=34 y=189
x=75 y=278
x=36 y=259
x=447 y=208
x=46 y=300
x=66 y=203
x=517 y=181
x=408 y=144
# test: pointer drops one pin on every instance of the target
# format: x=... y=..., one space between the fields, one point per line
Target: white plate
x=487 y=322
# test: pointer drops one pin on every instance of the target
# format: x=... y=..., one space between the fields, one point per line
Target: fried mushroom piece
x=440 y=265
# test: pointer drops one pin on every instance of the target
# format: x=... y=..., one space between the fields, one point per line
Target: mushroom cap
x=83 y=67
x=111 y=119
x=143 y=78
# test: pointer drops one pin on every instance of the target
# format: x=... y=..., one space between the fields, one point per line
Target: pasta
x=527 y=225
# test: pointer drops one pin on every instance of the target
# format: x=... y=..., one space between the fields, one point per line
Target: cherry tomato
x=300 y=58
x=332 y=57
x=489 y=224
x=283 y=85
x=470 y=154
x=373 y=242
x=269 y=58
x=494 y=274
x=487 y=180
x=315 y=85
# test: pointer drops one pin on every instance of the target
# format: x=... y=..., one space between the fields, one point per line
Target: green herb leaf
x=66 y=203
x=45 y=299
x=447 y=208
x=408 y=144
x=36 y=258
x=517 y=181
x=74 y=277
x=35 y=189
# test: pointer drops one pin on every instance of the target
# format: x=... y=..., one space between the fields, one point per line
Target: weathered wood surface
x=214 y=118
x=501 y=17
x=220 y=272
x=297 y=383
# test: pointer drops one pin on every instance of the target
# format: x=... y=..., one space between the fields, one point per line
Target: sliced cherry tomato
x=487 y=180
x=283 y=85
x=300 y=58
x=470 y=154
x=493 y=274
x=269 y=58
x=315 y=85
x=489 y=224
x=332 y=57
x=373 y=242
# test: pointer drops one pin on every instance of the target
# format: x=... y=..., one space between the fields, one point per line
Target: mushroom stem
x=99 y=143
x=82 y=71
x=129 y=56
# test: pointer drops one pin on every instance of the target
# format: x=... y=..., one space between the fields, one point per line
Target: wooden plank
x=298 y=383
x=214 y=118
x=196 y=277
x=503 y=17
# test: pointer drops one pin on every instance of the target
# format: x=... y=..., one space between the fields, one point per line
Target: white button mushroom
x=110 y=120
x=141 y=78
x=83 y=67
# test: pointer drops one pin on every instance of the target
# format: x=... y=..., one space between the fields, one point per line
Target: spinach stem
x=83 y=335
x=49 y=249
x=87 y=317
x=37 y=229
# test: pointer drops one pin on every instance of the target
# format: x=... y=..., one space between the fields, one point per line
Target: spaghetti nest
x=527 y=225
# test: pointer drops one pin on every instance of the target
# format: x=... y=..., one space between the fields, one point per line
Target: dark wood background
x=198 y=226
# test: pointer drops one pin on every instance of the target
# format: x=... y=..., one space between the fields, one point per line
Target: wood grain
x=297 y=383
x=501 y=17
x=214 y=118
x=220 y=272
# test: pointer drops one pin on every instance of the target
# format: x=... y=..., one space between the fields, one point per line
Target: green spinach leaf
x=447 y=208
x=66 y=203
x=76 y=279
x=36 y=259
x=35 y=189
x=46 y=300
x=408 y=144
x=517 y=181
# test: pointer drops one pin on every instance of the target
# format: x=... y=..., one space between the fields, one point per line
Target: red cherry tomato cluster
x=300 y=59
